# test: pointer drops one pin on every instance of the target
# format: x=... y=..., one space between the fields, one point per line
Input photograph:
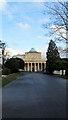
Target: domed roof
x=32 y=50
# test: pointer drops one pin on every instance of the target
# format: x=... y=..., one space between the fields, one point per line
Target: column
x=25 y=67
x=41 y=66
x=35 y=66
x=44 y=65
x=28 y=66
x=38 y=66
x=31 y=67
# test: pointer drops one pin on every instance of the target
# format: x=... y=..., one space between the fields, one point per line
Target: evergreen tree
x=52 y=56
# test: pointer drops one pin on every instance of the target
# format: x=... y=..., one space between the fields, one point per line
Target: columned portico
x=34 y=62
x=34 y=67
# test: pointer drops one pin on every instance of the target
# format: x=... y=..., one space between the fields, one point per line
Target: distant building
x=33 y=61
x=22 y=56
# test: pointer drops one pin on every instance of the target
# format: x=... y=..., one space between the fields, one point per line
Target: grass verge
x=65 y=76
x=62 y=76
x=10 y=78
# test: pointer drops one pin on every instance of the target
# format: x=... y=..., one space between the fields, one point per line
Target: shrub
x=20 y=62
x=6 y=71
x=12 y=64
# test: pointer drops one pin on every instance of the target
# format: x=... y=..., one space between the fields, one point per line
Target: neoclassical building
x=33 y=61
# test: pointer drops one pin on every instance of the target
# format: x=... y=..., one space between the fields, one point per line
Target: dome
x=32 y=50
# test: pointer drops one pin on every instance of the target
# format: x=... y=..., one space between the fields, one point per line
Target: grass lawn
x=10 y=78
x=65 y=76
x=62 y=76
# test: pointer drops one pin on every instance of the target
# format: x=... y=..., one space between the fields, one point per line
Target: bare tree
x=2 y=50
x=58 y=19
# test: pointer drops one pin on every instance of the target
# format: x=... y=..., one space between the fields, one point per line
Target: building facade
x=34 y=62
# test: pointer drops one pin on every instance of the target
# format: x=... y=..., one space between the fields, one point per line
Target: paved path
x=35 y=95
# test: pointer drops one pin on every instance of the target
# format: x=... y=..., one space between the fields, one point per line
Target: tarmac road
x=35 y=95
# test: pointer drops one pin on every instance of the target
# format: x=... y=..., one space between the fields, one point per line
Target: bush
x=6 y=71
x=20 y=62
x=12 y=64
x=60 y=65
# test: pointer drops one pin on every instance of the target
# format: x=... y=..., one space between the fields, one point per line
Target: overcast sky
x=22 y=26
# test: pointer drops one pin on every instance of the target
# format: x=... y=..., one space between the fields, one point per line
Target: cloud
x=66 y=49
x=43 y=51
x=63 y=52
x=4 y=8
x=3 y=4
x=60 y=31
x=24 y=25
x=13 y=52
